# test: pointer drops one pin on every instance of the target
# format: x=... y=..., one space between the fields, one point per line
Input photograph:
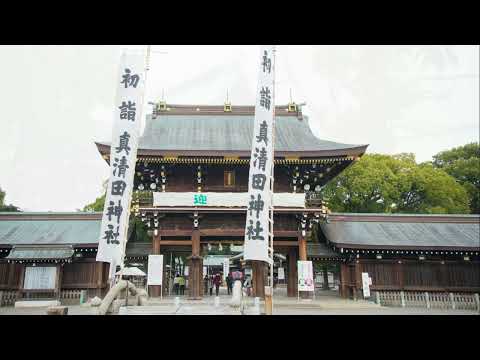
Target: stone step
x=36 y=303
x=182 y=310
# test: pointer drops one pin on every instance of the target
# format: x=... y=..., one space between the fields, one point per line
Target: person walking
x=229 y=282
x=217 y=280
x=205 y=285
x=181 y=284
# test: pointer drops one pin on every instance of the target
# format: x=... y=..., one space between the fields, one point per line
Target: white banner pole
x=123 y=155
x=258 y=223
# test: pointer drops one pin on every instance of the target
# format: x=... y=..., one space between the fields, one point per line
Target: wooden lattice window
x=229 y=178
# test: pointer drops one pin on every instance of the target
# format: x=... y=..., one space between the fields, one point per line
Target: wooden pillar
x=195 y=270
x=400 y=276
x=155 y=290
x=20 y=282
x=99 y=272
x=302 y=247
x=343 y=280
x=357 y=280
x=292 y=272
x=58 y=281
x=258 y=278
x=12 y=281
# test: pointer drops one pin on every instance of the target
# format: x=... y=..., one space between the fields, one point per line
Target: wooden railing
x=8 y=297
x=70 y=297
x=143 y=198
x=428 y=300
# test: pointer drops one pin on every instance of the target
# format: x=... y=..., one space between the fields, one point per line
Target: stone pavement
x=322 y=305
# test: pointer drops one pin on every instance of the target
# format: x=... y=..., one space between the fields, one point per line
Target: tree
x=3 y=206
x=463 y=163
x=99 y=202
x=138 y=230
x=395 y=184
x=97 y=205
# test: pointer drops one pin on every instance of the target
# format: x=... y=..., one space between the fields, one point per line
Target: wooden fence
x=70 y=297
x=8 y=297
x=67 y=297
x=429 y=300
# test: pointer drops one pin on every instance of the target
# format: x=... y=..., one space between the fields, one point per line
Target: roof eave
x=357 y=151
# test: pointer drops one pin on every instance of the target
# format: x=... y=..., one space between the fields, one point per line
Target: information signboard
x=305 y=276
x=155 y=270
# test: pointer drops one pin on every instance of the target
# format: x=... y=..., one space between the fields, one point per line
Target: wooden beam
x=176 y=242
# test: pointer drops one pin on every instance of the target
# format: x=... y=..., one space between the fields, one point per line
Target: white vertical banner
x=155 y=270
x=261 y=162
x=123 y=155
x=366 y=284
x=305 y=276
x=226 y=267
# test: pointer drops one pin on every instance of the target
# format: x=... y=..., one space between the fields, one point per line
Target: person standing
x=181 y=283
x=210 y=284
x=176 y=283
x=229 y=281
x=217 y=280
x=247 y=284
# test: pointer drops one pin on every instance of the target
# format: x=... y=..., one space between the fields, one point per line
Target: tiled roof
x=390 y=231
x=232 y=132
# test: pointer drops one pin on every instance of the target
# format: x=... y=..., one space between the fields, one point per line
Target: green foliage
x=97 y=205
x=463 y=163
x=4 y=207
x=140 y=230
x=99 y=202
x=387 y=184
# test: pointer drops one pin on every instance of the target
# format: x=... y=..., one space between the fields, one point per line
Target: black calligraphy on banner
x=130 y=80
x=260 y=158
x=121 y=166
x=262 y=134
x=115 y=210
x=111 y=236
x=265 y=97
x=256 y=205
x=128 y=110
x=254 y=233
x=258 y=181
x=123 y=145
x=267 y=62
x=118 y=187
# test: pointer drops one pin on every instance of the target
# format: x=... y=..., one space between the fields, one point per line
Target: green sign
x=200 y=199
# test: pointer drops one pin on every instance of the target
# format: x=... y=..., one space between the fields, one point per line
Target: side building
x=52 y=255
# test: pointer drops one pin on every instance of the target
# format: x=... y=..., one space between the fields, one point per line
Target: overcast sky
x=57 y=100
